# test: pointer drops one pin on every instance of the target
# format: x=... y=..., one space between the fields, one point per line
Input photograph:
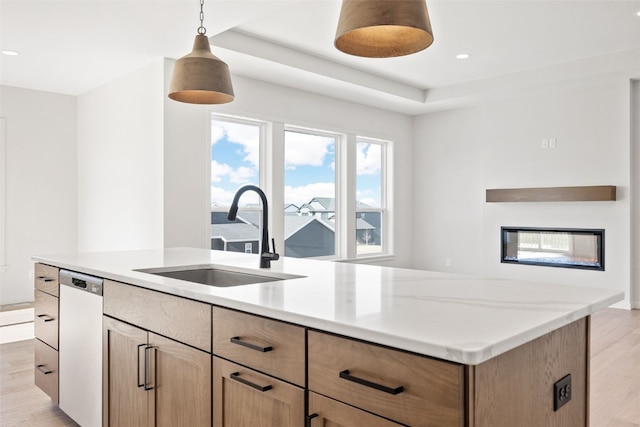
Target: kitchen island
x=366 y=345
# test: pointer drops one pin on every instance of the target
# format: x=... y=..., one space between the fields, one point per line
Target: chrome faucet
x=265 y=256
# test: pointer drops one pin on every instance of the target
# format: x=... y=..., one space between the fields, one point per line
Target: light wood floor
x=615 y=377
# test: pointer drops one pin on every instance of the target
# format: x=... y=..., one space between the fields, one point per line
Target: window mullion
x=346 y=231
x=273 y=175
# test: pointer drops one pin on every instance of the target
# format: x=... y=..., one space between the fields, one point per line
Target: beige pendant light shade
x=200 y=77
x=383 y=28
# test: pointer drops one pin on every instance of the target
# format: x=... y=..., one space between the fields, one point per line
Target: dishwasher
x=80 y=346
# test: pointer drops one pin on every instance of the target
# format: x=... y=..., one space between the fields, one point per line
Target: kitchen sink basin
x=216 y=276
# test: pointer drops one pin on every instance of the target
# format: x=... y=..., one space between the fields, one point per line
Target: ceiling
x=72 y=47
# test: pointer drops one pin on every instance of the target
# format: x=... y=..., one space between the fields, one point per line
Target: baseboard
x=13 y=333
x=16 y=325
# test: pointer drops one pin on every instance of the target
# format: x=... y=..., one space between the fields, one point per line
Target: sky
x=309 y=165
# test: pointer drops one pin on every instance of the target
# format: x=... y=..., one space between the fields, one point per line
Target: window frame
x=271 y=181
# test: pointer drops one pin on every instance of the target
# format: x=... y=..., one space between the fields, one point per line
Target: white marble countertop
x=452 y=317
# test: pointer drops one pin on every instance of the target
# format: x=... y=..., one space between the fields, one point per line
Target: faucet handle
x=273 y=256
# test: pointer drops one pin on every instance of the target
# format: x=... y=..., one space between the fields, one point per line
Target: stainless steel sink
x=216 y=276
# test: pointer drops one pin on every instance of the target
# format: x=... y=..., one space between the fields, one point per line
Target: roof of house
x=295 y=223
x=361 y=224
x=235 y=232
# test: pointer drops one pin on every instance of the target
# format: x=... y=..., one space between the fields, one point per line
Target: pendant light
x=200 y=77
x=383 y=28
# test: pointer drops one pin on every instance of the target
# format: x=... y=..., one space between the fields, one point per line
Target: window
x=235 y=161
x=309 y=194
x=327 y=191
x=370 y=200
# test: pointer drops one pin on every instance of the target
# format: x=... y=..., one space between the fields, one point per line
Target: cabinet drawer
x=46 y=279
x=46 y=318
x=266 y=345
x=328 y=412
x=244 y=397
x=46 y=369
x=178 y=318
x=370 y=376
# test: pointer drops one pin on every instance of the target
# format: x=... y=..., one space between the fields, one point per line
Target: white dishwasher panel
x=80 y=356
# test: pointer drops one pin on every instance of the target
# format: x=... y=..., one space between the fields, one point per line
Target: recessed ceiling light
x=463 y=55
x=9 y=52
x=638 y=13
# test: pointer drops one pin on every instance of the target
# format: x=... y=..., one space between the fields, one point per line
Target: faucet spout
x=265 y=255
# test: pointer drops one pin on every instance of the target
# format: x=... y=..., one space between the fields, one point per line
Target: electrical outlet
x=545 y=143
x=561 y=392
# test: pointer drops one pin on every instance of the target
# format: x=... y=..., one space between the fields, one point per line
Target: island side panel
x=517 y=388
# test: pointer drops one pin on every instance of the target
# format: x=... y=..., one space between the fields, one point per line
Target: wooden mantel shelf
x=553 y=194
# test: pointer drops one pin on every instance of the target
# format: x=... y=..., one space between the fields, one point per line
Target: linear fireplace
x=554 y=247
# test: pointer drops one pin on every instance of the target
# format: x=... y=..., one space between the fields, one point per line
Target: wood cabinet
x=262 y=382
x=150 y=379
x=46 y=297
x=325 y=412
x=246 y=398
x=410 y=389
x=270 y=346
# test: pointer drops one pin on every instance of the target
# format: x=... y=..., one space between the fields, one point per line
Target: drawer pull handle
x=345 y=375
x=237 y=340
x=236 y=376
x=44 y=279
x=45 y=317
x=138 y=382
x=310 y=418
x=42 y=369
x=149 y=366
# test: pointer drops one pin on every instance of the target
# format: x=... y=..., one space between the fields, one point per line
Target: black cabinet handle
x=236 y=376
x=42 y=369
x=237 y=340
x=44 y=279
x=345 y=375
x=148 y=367
x=45 y=317
x=141 y=384
x=309 y=418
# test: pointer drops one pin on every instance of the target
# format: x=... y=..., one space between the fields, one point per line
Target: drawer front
x=46 y=369
x=244 y=397
x=181 y=319
x=266 y=345
x=46 y=279
x=46 y=318
x=325 y=412
x=410 y=389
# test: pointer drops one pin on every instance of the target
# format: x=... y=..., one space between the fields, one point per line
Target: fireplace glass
x=560 y=247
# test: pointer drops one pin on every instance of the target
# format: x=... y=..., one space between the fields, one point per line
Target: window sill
x=371 y=259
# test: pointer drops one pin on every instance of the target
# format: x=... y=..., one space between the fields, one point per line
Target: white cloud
x=303 y=194
x=221 y=196
x=247 y=136
x=302 y=149
x=218 y=170
x=242 y=175
x=369 y=158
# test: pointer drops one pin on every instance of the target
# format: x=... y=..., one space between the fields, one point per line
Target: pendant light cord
x=201 y=29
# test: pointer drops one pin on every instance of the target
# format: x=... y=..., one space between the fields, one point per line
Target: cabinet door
x=125 y=398
x=246 y=398
x=325 y=412
x=181 y=382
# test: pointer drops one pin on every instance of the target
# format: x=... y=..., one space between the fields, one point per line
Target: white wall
x=40 y=177
x=120 y=163
x=459 y=154
x=186 y=151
